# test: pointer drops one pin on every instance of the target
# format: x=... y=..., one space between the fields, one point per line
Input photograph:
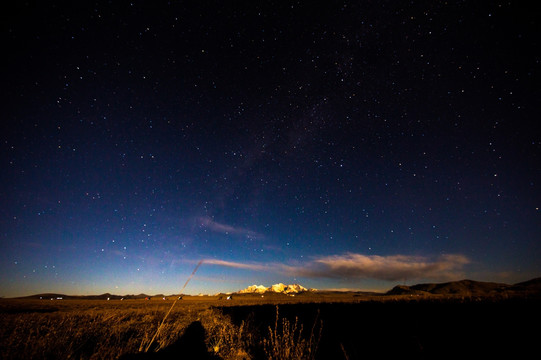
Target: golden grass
x=88 y=329
x=94 y=331
x=224 y=339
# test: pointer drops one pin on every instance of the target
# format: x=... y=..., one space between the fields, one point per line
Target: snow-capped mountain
x=254 y=289
x=277 y=288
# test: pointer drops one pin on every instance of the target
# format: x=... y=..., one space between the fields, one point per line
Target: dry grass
x=79 y=332
x=108 y=330
x=287 y=342
x=224 y=339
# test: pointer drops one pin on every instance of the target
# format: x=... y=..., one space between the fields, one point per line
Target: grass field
x=329 y=326
x=90 y=329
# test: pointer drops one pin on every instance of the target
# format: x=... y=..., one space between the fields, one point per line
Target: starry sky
x=339 y=145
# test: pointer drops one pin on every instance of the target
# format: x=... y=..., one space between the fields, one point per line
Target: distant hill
x=106 y=296
x=469 y=288
x=405 y=290
x=533 y=284
x=462 y=287
x=47 y=296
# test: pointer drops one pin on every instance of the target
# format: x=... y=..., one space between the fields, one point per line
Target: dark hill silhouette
x=46 y=296
x=405 y=290
x=469 y=288
x=530 y=288
x=55 y=296
x=463 y=288
x=530 y=284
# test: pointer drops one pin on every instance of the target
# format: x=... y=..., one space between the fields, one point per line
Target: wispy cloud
x=210 y=224
x=391 y=268
x=237 y=265
x=353 y=266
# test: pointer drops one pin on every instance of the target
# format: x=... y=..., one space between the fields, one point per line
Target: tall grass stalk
x=171 y=308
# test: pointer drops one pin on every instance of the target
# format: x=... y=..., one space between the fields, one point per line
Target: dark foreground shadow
x=408 y=329
x=191 y=345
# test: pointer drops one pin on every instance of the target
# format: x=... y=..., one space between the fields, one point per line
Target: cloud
x=237 y=265
x=215 y=226
x=391 y=268
x=352 y=266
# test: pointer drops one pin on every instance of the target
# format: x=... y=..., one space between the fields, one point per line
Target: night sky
x=347 y=145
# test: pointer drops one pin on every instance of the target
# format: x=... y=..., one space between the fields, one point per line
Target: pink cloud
x=392 y=268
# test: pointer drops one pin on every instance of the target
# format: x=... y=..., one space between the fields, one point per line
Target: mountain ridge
x=465 y=287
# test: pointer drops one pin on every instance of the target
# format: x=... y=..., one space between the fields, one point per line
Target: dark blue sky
x=355 y=145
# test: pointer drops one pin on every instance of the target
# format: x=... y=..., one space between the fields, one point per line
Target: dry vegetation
x=87 y=330
x=71 y=329
x=286 y=340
